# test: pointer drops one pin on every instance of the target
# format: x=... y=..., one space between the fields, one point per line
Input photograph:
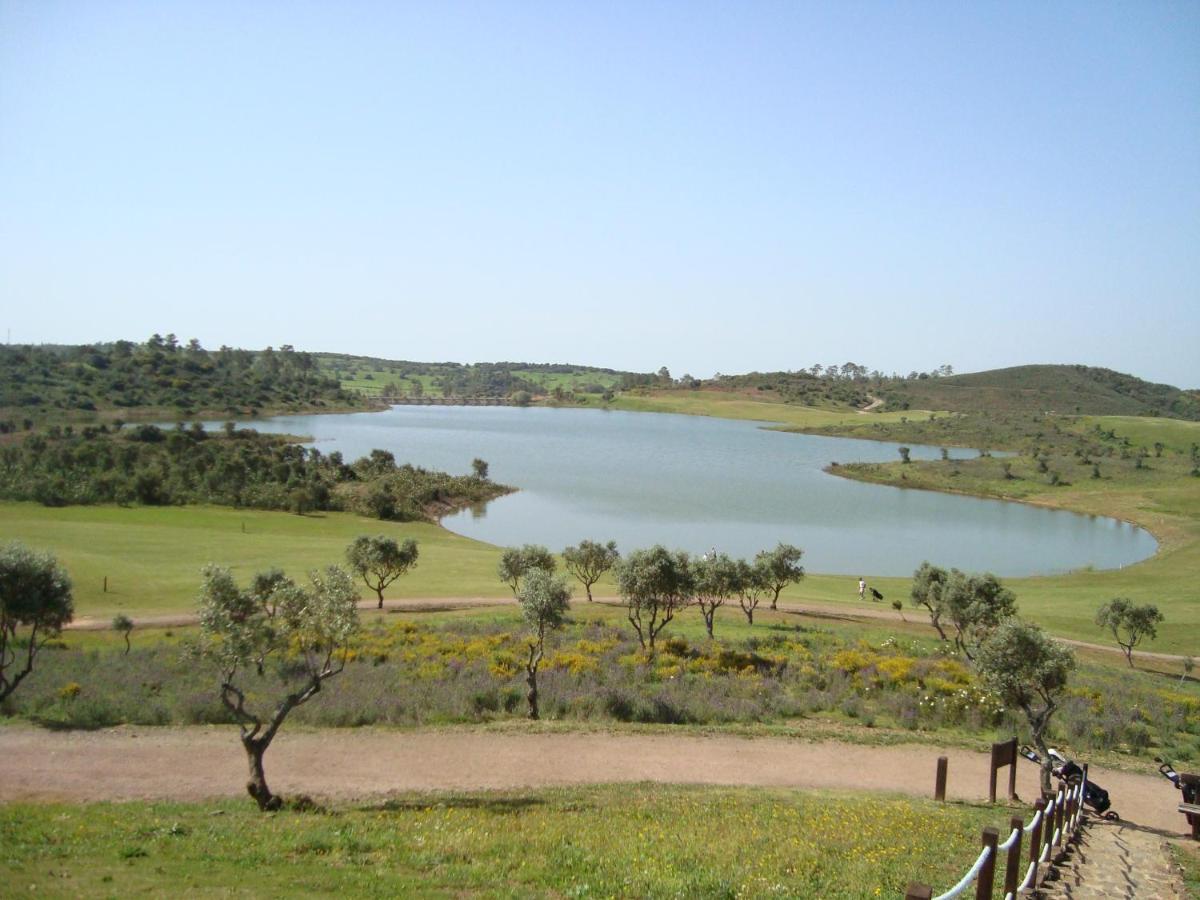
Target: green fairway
x=639 y=840
x=152 y=556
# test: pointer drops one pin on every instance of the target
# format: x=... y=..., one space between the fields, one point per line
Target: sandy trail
x=195 y=763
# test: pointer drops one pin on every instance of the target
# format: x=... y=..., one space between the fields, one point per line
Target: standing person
x=862 y=588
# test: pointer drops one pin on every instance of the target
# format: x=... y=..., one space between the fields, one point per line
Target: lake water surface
x=693 y=482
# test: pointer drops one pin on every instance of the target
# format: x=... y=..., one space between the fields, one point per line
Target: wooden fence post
x=987 y=875
x=1035 y=839
x=939 y=787
x=1012 y=865
x=1059 y=818
x=918 y=891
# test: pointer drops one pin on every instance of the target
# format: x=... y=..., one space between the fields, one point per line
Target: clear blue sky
x=706 y=186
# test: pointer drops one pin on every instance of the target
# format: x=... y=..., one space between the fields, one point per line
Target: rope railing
x=1054 y=822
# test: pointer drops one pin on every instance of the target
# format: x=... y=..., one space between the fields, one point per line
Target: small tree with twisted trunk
x=1027 y=670
x=380 y=560
x=35 y=604
x=543 y=599
x=780 y=567
x=276 y=634
x=517 y=562
x=655 y=585
x=750 y=583
x=1129 y=623
x=929 y=591
x=123 y=624
x=715 y=582
x=589 y=560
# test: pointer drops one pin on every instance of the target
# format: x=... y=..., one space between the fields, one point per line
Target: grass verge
x=640 y=840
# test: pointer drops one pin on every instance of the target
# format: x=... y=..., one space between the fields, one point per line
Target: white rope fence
x=1054 y=823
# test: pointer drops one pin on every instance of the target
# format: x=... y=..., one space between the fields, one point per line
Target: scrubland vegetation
x=777 y=675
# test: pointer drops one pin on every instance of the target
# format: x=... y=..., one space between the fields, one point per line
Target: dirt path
x=129 y=763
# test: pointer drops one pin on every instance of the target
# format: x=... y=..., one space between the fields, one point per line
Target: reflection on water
x=695 y=482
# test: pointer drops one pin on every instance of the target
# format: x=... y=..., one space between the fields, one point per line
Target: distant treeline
x=163 y=373
x=148 y=465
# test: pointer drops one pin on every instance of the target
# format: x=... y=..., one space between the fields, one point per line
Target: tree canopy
x=380 y=560
x=35 y=603
x=517 y=562
x=273 y=644
x=1129 y=623
x=1028 y=670
x=780 y=567
x=655 y=584
x=589 y=560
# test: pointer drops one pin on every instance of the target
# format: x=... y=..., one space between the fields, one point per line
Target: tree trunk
x=775 y=599
x=708 y=620
x=588 y=588
x=256 y=787
x=127 y=643
x=750 y=615
x=532 y=694
x=380 y=593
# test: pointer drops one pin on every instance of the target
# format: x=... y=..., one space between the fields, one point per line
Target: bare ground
x=196 y=763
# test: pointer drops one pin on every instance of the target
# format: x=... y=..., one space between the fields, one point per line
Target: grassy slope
x=621 y=840
x=153 y=555
x=1064 y=389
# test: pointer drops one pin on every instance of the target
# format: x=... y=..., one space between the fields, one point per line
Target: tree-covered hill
x=147 y=465
x=1064 y=389
x=164 y=375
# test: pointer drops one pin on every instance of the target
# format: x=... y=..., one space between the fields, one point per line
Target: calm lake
x=694 y=483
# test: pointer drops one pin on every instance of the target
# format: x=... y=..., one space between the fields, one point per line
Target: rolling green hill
x=163 y=377
x=393 y=378
x=1068 y=390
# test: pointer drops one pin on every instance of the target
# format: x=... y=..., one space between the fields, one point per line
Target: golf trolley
x=1070 y=772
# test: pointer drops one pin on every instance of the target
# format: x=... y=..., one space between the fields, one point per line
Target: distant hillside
x=1063 y=389
x=395 y=379
x=161 y=374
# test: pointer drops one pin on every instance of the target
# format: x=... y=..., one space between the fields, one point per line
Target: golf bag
x=1069 y=772
x=875 y=595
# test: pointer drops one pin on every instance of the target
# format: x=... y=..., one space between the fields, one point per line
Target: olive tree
x=123 y=624
x=380 y=560
x=479 y=468
x=975 y=606
x=589 y=560
x=278 y=641
x=1129 y=623
x=714 y=582
x=655 y=585
x=1027 y=670
x=35 y=604
x=750 y=583
x=517 y=562
x=928 y=591
x=780 y=567
x=543 y=599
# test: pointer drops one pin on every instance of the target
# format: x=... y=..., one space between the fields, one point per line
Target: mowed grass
x=637 y=840
x=152 y=556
